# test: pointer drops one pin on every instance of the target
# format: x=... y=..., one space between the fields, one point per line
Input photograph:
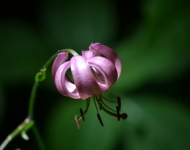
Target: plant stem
x=38 y=138
x=32 y=100
x=40 y=76
x=21 y=129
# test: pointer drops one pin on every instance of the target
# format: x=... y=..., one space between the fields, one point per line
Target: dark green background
x=152 y=38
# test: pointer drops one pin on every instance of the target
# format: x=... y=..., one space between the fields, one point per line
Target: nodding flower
x=93 y=73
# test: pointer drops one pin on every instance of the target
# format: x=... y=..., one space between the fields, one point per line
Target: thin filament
x=123 y=116
x=87 y=106
x=82 y=113
x=106 y=105
x=107 y=99
x=94 y=98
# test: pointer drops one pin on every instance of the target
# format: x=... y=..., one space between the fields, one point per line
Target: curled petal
x=88 y=55
x=107 y=69
x=83 y=77
x=61 y=58
x=108 y=53
x=63 y=84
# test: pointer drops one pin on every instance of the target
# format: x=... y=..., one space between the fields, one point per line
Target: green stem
x=32 y=99
x=38 y=138
x=40 y=76
x=71 y=51
x=21 y=129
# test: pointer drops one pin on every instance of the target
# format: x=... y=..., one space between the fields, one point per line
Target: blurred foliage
x=156 y=65
x=91 y=135
x=156 y=122
x=151 y=125
x=23 y=51
x=159 y=50
x=78 y=23
x=1 y=103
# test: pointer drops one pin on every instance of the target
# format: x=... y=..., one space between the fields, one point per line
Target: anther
x=124 y=116
x=118 y=113
x=100 y=119
x=77 y=122
x=119 y=102
x=82 y=114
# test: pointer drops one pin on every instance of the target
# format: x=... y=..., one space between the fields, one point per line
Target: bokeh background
x=152 y=38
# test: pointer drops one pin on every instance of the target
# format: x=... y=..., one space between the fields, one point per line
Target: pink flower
x=92 y=73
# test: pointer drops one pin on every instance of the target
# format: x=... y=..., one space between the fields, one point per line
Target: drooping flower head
x=93 y=73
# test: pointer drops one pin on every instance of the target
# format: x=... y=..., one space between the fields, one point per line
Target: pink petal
x=88 y=54
x=107 y=70
x=63 y=84
x=61 y=58
x=83 y=77
x=108 y=53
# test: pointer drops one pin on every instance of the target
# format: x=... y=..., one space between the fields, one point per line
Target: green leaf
x=23 y=51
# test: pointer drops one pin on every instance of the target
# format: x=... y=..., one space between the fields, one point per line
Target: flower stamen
x=99 y=99
x=102 y=103
x=107 y=99
x=77 y=121
x=98 y=115
x=123 y=116
x=118 y=113
x=119 y=102
x=100 y=119
x=82 y=113
x=110 y=111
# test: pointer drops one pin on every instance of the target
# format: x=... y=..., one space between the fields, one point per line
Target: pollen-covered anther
x=118 y=113
x=77 y=121
x=123 y=116
x=119 y=103
x=100 y=119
